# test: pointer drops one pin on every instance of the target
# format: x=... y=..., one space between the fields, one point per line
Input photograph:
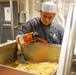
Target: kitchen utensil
x=20 y=55
x=36 y=51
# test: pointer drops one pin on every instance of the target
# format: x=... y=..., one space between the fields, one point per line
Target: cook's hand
x=17 y=38
x=25 y=39
x=18 y=41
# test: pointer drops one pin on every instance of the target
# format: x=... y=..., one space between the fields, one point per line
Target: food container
x=39 y=49
x=8 y=52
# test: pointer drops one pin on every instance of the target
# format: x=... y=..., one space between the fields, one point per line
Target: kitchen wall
x=27 y=8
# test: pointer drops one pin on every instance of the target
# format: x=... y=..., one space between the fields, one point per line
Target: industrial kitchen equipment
x=8 y=52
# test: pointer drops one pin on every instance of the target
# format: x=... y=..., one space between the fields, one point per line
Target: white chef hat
x=49 y=7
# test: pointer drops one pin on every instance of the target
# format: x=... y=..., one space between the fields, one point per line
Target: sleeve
x=26 y=27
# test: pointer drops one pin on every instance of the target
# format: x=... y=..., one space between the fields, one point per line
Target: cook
x=45 y=25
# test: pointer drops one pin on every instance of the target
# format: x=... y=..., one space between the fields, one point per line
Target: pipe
x=71 y=44
x=59 y=7
x=27 y=10
x=57 y=19
x=12 y=21
x=62 y=59
x=62 y=18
